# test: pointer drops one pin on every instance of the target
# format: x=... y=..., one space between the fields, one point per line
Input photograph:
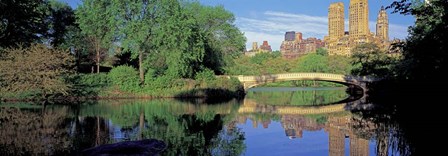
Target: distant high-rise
x=294 y=48
x=266 y=47
x=254 y=46
x=290 y=36
x=382 y=25
x=339 y=42
x=358 y=20
x=336 y=20
x=299 y=37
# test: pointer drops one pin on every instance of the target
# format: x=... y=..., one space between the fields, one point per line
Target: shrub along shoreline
x=122 y=82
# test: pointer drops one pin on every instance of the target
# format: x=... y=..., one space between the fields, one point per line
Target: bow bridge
x=253 y=81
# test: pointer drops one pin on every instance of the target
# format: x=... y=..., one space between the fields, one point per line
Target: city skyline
x=269 y=20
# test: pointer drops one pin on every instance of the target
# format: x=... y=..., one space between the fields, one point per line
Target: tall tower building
x=336 y=20
x=358 y=19
x=290 y=36
x=382 y=25
x=299 y=37
x=254 y=46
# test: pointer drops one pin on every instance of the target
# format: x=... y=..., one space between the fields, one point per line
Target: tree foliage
x=322 y=51
x=98 y=24
x=180 y=41
x=176 y=38
x=124 y=77
x=22 y=22
x=59 y=21
x=425 y=51
x=368 y=59
x=272 y=63
x=221 y=38
x=136 y=22
x=37 y=69
x=312 y=63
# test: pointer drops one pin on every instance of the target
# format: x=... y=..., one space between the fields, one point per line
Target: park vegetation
x=422 y=55
x=274 y=63
x=117 y=49
x=125 y=48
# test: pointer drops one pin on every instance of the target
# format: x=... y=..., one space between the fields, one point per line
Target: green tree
x=312 y=63
x=322 y=51
x=98 y=24
x=75 y=41
x=339 y=64
x=425 y=51
x=368 y=59
x=61 y=17
x=177 y=41
x=223 y=42
x=21 y=22
x=138 y=21
x=37 y=69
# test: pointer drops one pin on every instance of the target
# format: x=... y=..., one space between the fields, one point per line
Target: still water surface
x=269 y=121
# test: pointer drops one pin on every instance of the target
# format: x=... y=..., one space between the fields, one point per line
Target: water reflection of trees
x=30 y=132
x=187 y=128
x=385 y=128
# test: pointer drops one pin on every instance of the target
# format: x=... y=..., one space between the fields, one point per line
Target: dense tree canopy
x=22 y=22
x=368 y=59
x=98 y=24
x=425 y=51
x=60 y=20
x=222 y=39
x=273 y=63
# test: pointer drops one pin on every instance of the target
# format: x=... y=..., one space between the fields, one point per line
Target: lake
x=268 y=121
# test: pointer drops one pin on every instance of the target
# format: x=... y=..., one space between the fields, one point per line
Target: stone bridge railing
x=252 y=81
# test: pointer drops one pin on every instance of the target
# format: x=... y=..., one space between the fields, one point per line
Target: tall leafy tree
x=61 y=18
x=136 y=20
x=222 y=39
x=98 y=24
x=75 y=41
x=179 y=39
x=22 y=21
x=425 y=51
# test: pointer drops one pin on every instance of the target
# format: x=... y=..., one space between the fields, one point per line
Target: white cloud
x=273 y=25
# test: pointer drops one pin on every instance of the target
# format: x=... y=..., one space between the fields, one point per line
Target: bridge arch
x=253 y=81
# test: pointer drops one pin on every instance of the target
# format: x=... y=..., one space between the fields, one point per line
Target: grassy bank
x=108 y=86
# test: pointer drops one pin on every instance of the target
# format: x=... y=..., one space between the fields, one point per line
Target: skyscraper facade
x=336 y=20
x=382 y=25
x=358 y=20
x=340 y=42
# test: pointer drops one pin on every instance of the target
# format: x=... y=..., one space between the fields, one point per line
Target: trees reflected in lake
x=196 y=128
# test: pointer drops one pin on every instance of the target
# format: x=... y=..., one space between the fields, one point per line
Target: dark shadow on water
x=209 y=96
x=410 y=118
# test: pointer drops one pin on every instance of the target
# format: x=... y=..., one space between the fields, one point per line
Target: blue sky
x=270 y=19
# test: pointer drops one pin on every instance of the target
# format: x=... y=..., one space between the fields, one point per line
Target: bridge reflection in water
x=179 y=123
x=334 y=119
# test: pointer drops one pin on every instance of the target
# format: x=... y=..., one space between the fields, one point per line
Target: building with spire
x=340 y=42
x=382 y=25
